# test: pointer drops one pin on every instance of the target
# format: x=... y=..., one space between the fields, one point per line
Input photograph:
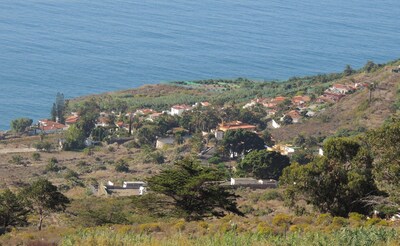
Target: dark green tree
x=74 y=138
x=287 y=120
x=99 y=133
x=13 y=211
x=384 y=143
x=267 y=137
x=302 y=156
x=88 y=115
x=348 y=70
x=241 y=142
x=254 y=116
x=44 y=198
x=370 y=66
x=337 y=183
x=58 y=109
x=263 y=164
x=121 y=166
x=147 y=134
x=20 y=125
x=193 y=190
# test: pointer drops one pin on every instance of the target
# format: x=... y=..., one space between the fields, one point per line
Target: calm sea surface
x=84 y=46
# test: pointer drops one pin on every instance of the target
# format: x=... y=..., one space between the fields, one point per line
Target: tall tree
x=264 y=164
x=348 y=70
x=13 y=210
x=193 y=190
x=147 y=135
x=241 y=142
x=384 y=143
x=74 y=138
x=58 y=109
x=338 y=182
x=44 y=198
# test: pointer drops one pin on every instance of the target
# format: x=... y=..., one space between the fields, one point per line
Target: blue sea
x=83 y=47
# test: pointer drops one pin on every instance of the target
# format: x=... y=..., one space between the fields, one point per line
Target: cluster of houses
x=105 y=119
x=303 y=104
x=272 y=107
x=336 y=92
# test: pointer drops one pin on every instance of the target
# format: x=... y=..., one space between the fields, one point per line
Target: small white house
x=275 y=125
x=254 y=183
x=179 y=109
x=133 y=184
x=289 y=150
x=320 y=152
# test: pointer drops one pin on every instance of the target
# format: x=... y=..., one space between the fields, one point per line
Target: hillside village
x=279 y=111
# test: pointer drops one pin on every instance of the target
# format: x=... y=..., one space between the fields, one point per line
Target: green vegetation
x=122 y=166
x=263 y=164
x=43 y=146
x=13 y=210
x=74 y=138
x=58 y=109
x=127 y=236
x=237 y=143
x=43 y=197
x=193 y=191
x=385 y=148
x=20 y=125
x=17 y=159
x=36 y=156
x=336 y=183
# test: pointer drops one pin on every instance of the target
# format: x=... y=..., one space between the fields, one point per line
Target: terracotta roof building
x=48 y=126
x=232 y=126
x=71 y=120
x=235 y=125
x=299 y=100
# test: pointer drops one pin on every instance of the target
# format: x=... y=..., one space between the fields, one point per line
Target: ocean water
x=82 y=47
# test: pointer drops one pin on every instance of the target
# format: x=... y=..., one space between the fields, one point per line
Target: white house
x=254 y=183
x=133 y=184
x=179 y=109
x=275 y=125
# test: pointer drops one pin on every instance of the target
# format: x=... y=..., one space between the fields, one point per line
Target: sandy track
x=17 y=150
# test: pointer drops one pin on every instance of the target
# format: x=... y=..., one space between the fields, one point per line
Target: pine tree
x=13 y=211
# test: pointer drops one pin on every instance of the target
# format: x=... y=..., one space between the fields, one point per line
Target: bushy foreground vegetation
x=346 y=236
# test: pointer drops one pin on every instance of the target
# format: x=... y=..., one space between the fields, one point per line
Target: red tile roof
x=294 y=114
x=48 y=125
x=301 y=99
x=72 y=119
x=235 y=125
x=183 y=106
x=278 y=99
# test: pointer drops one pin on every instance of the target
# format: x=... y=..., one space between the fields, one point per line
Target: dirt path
x=16 y=150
